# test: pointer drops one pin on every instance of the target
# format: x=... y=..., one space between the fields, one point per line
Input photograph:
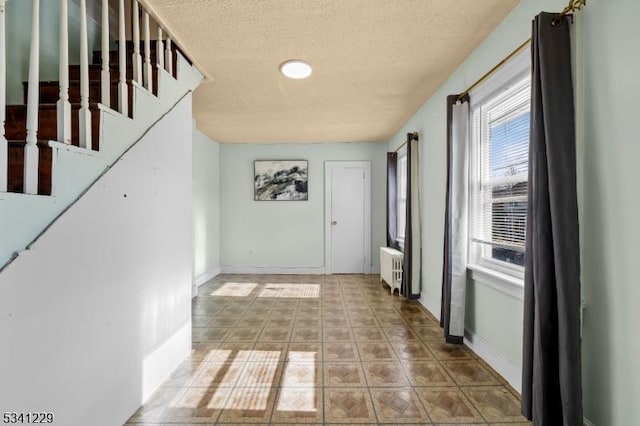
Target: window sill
x=501 y=282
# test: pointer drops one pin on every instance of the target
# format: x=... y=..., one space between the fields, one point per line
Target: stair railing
x=63 y=111
x=148 y=73
x=137 y=58
x=105 y=87
x=142 y=75
x=31 y=154
x=85 y=114
x=4 y=146
x=122 y=62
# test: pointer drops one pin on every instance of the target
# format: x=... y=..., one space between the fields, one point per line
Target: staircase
x=41 y=159
x=49 y=91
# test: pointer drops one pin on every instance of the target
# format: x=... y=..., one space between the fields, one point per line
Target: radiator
x=391 y=267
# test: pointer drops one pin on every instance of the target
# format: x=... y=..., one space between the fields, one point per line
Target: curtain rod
x=572 y=7
x=492 y=70
x=410 y=137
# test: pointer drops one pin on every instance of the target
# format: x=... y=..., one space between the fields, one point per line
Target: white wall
x=98 y=312
x=607 y=80
x=288 y=236
x=206 y=207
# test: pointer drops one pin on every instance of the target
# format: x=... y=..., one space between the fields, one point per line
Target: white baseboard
x=159 y=364
x=243 y=269
x=498 y=361
x=587 y=422
x=203 y=278
x=504 y=366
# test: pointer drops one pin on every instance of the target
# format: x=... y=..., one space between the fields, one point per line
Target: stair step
x=50 y=92
x=16 y=123
x=114 y=56
x=16 y=115
x=15 y=173
x=95 y=74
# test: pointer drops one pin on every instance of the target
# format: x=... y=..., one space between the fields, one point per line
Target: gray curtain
x=454 y=274
x=411 y=268
x=551 y=369
x=392 y=193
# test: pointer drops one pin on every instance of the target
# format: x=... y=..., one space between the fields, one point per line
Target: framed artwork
x=280 y=180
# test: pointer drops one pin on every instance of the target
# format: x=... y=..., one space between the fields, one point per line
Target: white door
x=348 y=217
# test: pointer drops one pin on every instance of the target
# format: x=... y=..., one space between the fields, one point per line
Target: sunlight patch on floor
x=285 y=290
x=299 y=400
x=235 y=289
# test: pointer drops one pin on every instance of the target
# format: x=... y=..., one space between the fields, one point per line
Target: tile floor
x=297 y=349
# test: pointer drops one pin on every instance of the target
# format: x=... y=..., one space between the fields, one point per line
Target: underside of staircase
x=49 y=93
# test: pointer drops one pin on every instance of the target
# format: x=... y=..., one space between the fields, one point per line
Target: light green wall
x=490 y=323
x=288 y=234
x=607 y=86
x=609 y=211
x=18 y=16
x=206 y=204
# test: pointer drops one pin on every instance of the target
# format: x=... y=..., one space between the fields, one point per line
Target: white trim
x=504 y=77
x=114 y=113
x=246 y=269
x=587 y=422
x=496 y=359
x=72 y=148
x=507 y=284
x=492 y=356
x=203 y=278
x=160 y=363
x=328 y=167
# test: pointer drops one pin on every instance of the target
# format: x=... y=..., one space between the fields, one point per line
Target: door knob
x=333 y=222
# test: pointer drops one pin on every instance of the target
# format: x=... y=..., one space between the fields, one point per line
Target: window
x=498 y=174
x=401 y=194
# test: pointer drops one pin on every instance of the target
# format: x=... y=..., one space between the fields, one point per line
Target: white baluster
x=123 y=105
x=63 y=105
x=84 y=113
x=4 y=164
x=168 y=57
x=31 y=148
x=148 y=72
x=137 y=59
x=105 y=95
x=160 y=49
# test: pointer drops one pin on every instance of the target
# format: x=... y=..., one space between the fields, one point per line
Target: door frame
x=328 y=168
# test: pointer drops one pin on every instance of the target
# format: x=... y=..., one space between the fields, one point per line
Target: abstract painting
x=280 y=180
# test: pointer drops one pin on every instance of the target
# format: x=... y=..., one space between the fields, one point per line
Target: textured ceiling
x=375 y=62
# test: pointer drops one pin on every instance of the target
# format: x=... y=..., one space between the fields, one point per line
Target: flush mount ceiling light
x=296 y=69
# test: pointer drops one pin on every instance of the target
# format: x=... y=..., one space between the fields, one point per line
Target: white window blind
x=499 y=192
x=402 y=194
